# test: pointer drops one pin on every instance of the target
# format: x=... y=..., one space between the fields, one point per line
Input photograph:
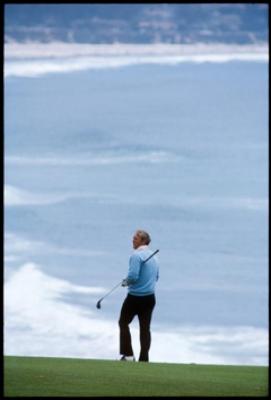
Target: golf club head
x=98 y=305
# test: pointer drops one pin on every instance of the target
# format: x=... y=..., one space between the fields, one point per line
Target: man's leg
x=126 y=316
x=144 y=317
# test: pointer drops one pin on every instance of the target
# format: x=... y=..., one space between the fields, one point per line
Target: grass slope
x=40 y=376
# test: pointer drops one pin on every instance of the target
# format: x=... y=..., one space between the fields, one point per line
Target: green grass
x=40 y=376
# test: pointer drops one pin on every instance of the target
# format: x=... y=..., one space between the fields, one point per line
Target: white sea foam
x=213 y=202
x=91 y=159
x=14 y=196
x=38 y=322
x=35 y=59
x=18 y=247
x=61 y=49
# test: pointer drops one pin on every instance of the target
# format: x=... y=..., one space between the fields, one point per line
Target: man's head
x=141 y=238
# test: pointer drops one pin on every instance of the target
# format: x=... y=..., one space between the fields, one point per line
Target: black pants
x=142 y=306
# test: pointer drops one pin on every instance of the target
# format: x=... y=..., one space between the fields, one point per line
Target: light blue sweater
x=141 y=277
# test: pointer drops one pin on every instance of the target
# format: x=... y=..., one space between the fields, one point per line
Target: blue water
x=181 y=151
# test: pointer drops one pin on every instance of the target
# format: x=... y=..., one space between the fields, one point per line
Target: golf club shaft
x=115 y=287
x=153 y=254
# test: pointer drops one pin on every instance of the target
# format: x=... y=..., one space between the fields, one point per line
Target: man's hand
x=124 y=283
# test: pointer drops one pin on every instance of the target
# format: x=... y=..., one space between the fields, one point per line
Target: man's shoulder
x=141 y=253
x=136 y=256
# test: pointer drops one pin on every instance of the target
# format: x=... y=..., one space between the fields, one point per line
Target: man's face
x=137 y=240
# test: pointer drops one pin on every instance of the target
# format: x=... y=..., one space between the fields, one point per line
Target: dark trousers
x=142 y=306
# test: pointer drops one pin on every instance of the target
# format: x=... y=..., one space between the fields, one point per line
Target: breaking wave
x=38 y=323
x=35 y=59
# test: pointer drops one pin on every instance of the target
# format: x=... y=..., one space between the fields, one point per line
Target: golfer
x=140 y=300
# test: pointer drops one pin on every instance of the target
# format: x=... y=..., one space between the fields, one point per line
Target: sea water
x=91 y=156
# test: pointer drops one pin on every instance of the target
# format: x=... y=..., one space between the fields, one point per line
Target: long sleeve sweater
x=142 y=277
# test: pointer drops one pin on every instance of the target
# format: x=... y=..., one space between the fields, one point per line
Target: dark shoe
x=127 y=358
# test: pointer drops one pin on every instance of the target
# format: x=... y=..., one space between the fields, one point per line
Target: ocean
x=91 y=155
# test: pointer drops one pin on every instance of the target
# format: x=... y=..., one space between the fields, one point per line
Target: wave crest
x=35 y=59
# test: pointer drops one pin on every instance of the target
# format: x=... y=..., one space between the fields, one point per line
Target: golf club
x=98 y=305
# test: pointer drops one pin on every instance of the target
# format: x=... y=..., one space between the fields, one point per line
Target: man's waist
x=140 y=294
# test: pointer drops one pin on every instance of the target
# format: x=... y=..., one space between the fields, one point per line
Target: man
x=140 y=301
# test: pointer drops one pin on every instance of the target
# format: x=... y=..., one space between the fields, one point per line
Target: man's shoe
x=127 y=358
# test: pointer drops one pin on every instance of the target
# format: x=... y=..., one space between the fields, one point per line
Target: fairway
x=40 y=376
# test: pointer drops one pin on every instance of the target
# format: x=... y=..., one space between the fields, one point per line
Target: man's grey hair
x=145 y=237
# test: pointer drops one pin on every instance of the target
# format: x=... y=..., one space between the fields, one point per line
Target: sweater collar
x=143 y=247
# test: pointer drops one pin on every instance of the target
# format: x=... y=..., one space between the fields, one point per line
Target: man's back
x=142 y=275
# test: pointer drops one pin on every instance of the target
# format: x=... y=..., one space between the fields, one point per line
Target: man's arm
x=134 y=269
